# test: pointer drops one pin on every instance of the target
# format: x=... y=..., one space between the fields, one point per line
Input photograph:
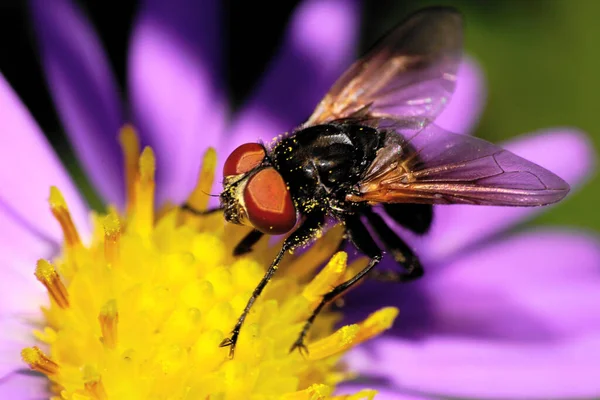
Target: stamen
x=112 y=234
x=143 y=210
x=46 y=273
x=338 y=341
x=199 y=197
x=38 y=361
x=327 y=279
x=351 y=270
x=93 y=383
x=352 y=335
x=317 y=254
x=61 y=213
x=130 y=146
x=314 y=392
x=381 y=320
x=109 y=320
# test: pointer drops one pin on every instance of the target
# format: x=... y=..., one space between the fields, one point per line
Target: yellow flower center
x=139 y=312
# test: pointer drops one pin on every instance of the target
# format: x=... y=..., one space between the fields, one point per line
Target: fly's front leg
x=361 y=238
x=187 y=207
x=245 y=245
x=305 y=232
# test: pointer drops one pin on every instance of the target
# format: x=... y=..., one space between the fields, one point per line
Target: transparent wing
x=438 y=167
x=408 y=76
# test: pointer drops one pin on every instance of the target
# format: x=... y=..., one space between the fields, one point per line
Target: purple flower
x=509 y=317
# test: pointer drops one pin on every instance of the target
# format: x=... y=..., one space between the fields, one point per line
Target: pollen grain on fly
x=140 y=310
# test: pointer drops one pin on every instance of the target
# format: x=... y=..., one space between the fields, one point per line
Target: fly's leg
x=416 y=217
x=339 y=303
x=305 y=232
x=245 y=245
x=403 y=254
x=187 y=207
x=361 y=238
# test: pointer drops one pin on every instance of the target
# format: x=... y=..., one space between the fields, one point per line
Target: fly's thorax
x=322 y=162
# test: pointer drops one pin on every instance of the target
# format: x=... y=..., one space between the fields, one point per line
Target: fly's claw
x=229 y=342
x=299 y=344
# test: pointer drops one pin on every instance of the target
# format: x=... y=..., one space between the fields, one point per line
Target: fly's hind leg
x=306 y=231
x=403 y=254
x=360 y=237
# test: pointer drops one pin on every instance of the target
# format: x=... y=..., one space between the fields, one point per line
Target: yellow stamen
x=61 y=213
x=376 y=323
x=112 y=233
x=142 y=218
x=93 y=383
x=130 y=145
x=38 y=361
x=199 y=197
x=327 y=279
x=46 y=273
x=352 y=335
x=109 y=320
x=318 y=253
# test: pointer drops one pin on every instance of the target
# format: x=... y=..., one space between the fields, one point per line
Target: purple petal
x=533 y=286
x=175 y=83
x=566 y=152
x=24 y=385
x=18 y=241
x=522 y=310
x=15 y=334
x=21 y=292
x=489 y=369
x=28 y=168
x=17 y=326
x=84 y=91
x=464 y=109
x=318 y=46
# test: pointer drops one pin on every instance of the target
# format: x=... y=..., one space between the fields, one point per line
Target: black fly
x=371 y=142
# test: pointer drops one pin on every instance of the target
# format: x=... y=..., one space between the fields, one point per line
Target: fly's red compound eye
x=243 y=159
x=269 y=203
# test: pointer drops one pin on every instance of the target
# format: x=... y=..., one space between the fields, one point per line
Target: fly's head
x=254 y=193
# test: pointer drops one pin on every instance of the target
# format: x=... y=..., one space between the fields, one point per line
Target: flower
x=138 y=307
x=172 y=40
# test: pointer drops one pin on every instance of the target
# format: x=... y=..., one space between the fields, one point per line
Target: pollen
x=47 y=275
x=38 y=361
x=139 y=311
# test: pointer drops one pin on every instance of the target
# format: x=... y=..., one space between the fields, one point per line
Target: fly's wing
x=401 y=85
x=438 y=167
x=408 y=76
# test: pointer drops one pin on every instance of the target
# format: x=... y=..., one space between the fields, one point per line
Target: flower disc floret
x=139 y=312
